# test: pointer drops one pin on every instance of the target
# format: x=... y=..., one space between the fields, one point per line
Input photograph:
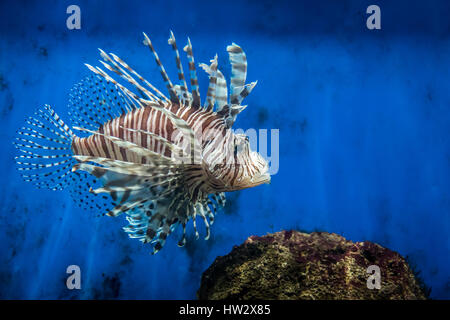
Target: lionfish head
x=255 y=167
x=242 y=168
x=230 y=162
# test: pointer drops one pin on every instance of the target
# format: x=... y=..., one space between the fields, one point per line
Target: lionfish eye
x=247 y=139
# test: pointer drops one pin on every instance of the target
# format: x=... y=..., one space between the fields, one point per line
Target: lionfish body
x=160 y=160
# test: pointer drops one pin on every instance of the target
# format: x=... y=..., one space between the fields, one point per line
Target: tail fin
x=44 y=145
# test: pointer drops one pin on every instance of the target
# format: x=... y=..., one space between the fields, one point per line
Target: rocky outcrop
x=319 y=265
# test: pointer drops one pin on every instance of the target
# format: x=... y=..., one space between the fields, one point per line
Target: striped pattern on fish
x=162 y=161
x=145 y=119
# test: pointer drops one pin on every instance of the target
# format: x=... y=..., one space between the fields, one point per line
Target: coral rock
x=319 y=265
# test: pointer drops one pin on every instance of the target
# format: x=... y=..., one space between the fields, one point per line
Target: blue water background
x=364 y=120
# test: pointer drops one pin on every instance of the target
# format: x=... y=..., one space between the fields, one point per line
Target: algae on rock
x=319 y=265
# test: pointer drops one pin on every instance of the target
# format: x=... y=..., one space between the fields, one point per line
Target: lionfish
x=160 y=160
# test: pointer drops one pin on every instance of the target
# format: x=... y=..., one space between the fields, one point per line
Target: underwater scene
x=225 y=149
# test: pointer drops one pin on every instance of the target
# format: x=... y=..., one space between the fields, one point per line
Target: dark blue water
x=364 y=120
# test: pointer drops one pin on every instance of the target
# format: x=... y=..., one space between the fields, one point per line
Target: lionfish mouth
x=258 y=180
